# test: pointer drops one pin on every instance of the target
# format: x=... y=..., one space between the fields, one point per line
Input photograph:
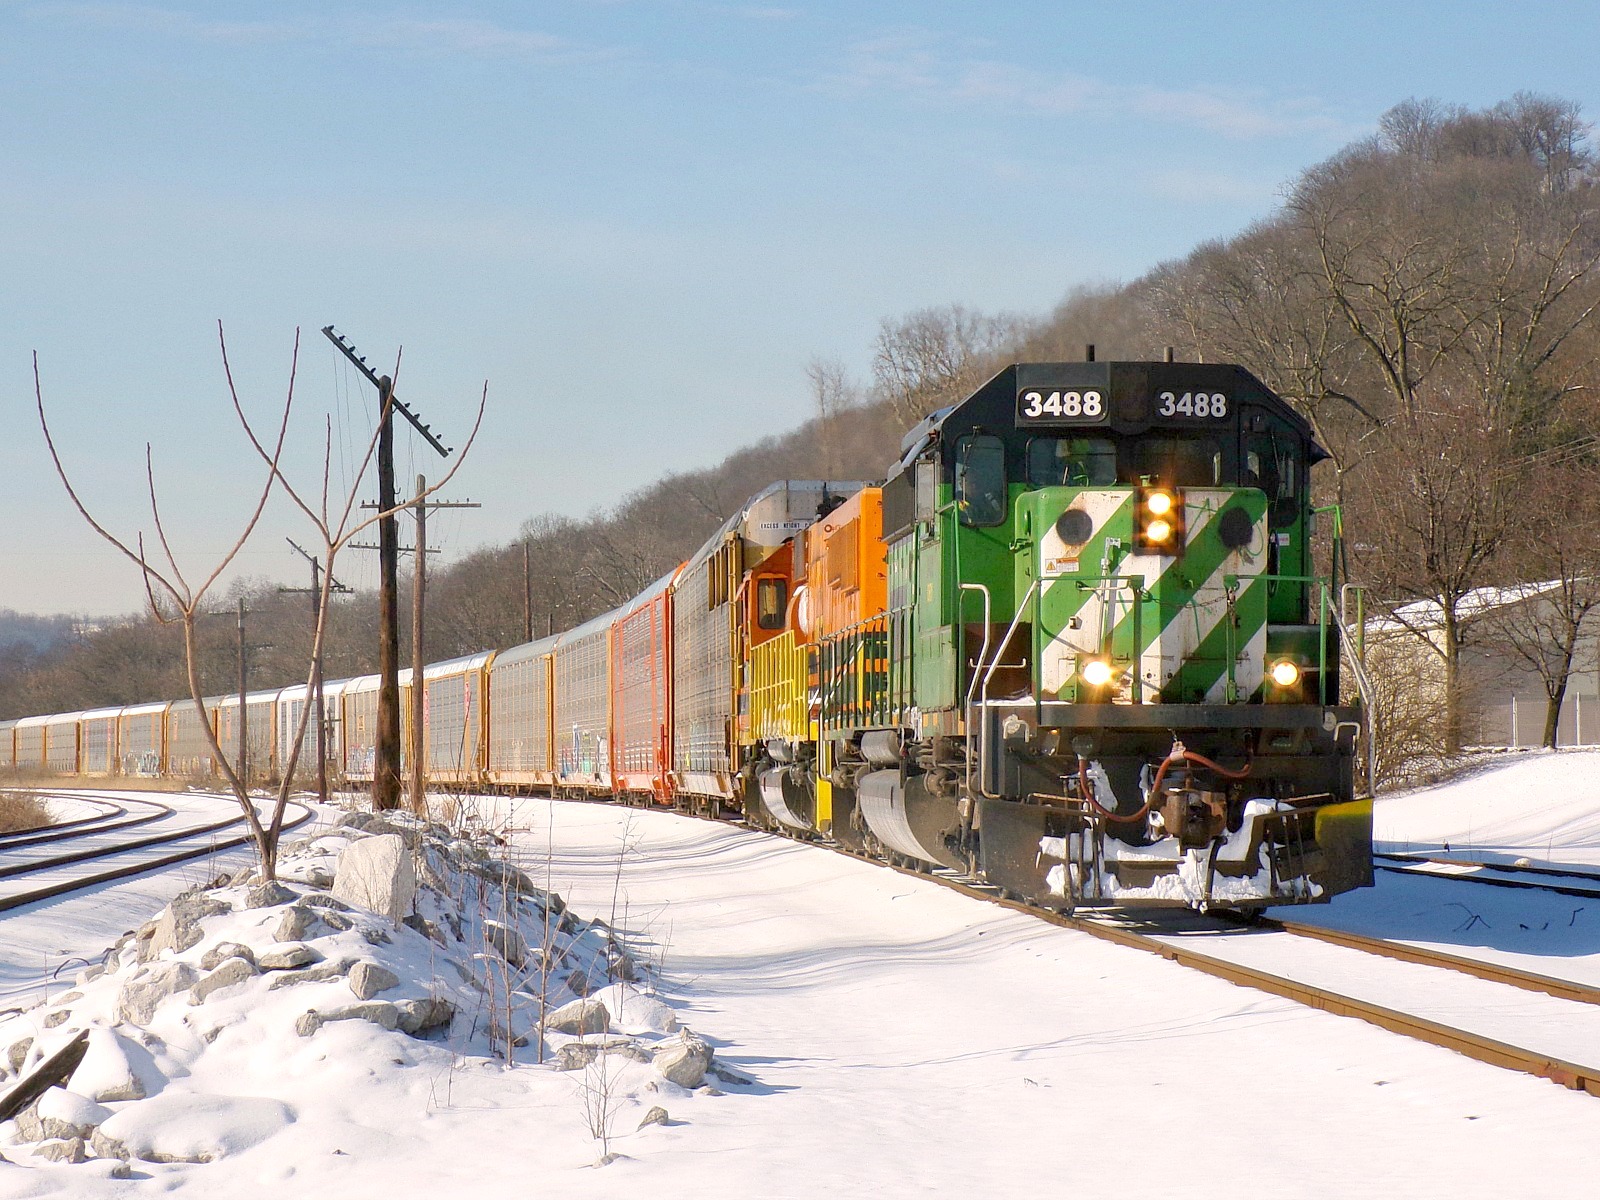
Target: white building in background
x=1504 y=700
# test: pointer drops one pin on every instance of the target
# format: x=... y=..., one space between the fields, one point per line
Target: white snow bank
x=185 y=1127
x=1543 y=806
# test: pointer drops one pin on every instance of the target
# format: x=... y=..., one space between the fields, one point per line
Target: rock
x=242 y=877
x=503 y=875
x=90 y=974
x=222 y=951
x=69 y=998
x=108 y=1147
x=575 y=1056
x=376 y=874
x=367 y=979
x=60 y=1017
x=422 y=1016
x=67 y=1150
x=29 y=1127
x=685 y=1060
x=379 y=1012
x=579 y=1017
x=317 y=974
x=232 y=971
x=629 y=1050
x=190 y=1127
x=106 y=1074
x=17 y=1054
x=140 y=995
x=353 y=820
x=287 y=956
x=579 y=983
x=319 y=877
x=421 y=924
x=65 y=1115
x=269 y=895
x=296 y=924
x=507 y=942
x=656 y=1116
x=337 y=921
x=178 y=926
x=325 y=900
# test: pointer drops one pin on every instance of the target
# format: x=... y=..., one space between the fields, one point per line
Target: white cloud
x=471 y=37
x=919 y=64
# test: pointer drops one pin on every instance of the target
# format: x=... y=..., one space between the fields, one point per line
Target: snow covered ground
x=903 y=1040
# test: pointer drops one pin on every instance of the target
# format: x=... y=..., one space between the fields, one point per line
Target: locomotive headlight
x=1097 y=672
x=1285 y=673
x=1158 y=521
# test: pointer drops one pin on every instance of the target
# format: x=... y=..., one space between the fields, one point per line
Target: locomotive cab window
x=981 y=480
x=1177 y=462
x=1271 y=461
x=1072 y=462
x=772 y=598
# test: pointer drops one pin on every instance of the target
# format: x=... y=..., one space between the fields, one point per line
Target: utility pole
x=419 y=584
x=244 y=683
x=315 y=697
x=386 y=764
x=527 y=594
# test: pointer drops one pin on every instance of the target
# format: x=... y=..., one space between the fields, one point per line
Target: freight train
x=1073 y=645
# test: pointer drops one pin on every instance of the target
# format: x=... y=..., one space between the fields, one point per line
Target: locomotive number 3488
x=1062 y=404
x=1193 y=404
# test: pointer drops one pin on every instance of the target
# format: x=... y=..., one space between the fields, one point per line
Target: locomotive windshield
x=1073 y=462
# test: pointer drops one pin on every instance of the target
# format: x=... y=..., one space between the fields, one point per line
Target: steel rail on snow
x=129 y=870
x=83 y=826
x=1574 y=1076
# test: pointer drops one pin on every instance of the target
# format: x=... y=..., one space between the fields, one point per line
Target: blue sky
x=638 y=219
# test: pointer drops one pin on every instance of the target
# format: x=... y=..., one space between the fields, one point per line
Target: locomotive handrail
x=983 y=692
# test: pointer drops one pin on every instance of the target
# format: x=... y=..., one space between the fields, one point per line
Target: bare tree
x=831 y=394
x=938 y=356
x=174 y=600
x=1555 y=548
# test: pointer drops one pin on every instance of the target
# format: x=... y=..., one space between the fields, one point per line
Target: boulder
x=296 y=923
x=367 y=979
x=422 y=1016
x=269 y=895
x=579 y=1017
x=64 y=1115
x=575 y=1056
x=67 y=1150
x=376 y=874
x=507 y=942
x=656 y=1116
x=317 y=974
x=178 y=926
x=107 y=1074
x=17 y=1054
x=325 y=900
x=379 y=1012
x=60 y=1017
x=287 y=956
x=222 y=951
x=187 y=1127
x=232 y=971
x=140 y=995
x=684 y=1060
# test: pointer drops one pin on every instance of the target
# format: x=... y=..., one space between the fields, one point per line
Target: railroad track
x=1506 y=875
x=1474 y=1045
x=48 y=876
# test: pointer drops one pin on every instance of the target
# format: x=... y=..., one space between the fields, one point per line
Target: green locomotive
x=1106 y=672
